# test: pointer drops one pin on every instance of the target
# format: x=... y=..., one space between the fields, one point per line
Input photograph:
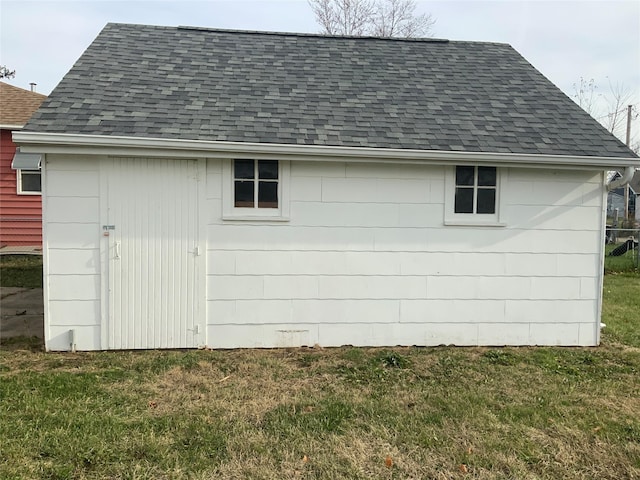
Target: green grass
x=621 y=309
x=482 y=413
x=624 y=263
x=503 y=413
x=21 y=271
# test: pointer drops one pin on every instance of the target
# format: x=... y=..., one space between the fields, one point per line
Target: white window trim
x=19 y=190
x=473 y=219
x=232 y=213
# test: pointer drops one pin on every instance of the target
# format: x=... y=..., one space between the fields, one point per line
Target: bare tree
x=609 y=108
x=6 y=73
x=584 y=93
x=615 y=120
x=380 y=18
x=343 y=17
x=397 y=18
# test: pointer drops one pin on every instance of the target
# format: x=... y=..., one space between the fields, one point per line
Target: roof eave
x=42 y=142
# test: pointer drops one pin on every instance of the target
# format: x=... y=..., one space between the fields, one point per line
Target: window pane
x=268 y=195
x=486 y=200
x=268 y=169
x=464 y=175
x=464 y=200
x=243 y=194
x=31 y=181
x=243 y=168
x=487 y=176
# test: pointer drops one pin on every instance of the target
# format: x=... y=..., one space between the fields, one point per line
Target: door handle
x=117 y=254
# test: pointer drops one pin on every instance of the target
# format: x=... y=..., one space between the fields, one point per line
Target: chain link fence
x=622 y=248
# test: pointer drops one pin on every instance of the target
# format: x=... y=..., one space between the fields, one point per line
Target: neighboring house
x=615 y=199
x=20 y=202
x=245 y=189
x=634 y=184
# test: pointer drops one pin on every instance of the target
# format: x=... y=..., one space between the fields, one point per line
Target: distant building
x=635 y=186
x=615 y=199
x=20 y=192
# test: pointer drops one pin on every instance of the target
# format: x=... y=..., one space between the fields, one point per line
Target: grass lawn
x=624 y=263
x=481 y=413
x=21 y=271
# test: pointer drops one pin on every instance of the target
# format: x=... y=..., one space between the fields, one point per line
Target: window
x=476 y=190
x=254 y=189
x=255 y=183
x=472 y=195
x=29 y=182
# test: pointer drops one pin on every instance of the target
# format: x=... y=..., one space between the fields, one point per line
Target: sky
x=565 y=40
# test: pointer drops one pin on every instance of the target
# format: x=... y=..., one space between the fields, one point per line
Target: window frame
x=19 y=189
x=473 y=219
x=232 y=213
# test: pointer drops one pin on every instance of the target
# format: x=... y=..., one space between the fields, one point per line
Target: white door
x=153 y=253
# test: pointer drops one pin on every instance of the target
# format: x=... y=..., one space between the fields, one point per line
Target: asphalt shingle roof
x=218 y=85
x=17 y=104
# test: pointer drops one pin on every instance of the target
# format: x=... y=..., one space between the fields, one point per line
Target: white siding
x=366 y=260
x=73 y=261
x=75 y=313
x=72 y=232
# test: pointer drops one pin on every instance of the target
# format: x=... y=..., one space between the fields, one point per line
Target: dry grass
x=401 y=413
x=336 y=413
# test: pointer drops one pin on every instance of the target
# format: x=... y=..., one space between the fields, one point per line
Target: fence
x=622 y=248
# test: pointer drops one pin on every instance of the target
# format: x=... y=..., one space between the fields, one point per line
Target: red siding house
x=20 y=197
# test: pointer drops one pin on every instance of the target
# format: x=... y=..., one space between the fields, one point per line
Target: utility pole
x=629 y=108
x=626 y=187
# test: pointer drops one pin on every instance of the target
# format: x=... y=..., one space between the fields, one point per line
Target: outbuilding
x=222 y=189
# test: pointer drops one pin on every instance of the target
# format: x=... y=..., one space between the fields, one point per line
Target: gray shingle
x=201 y=84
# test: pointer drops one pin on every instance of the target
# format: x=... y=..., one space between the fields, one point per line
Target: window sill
x=254 y=218
x=29 y=193
x=462 y=222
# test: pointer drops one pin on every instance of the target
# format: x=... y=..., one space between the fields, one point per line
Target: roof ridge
x=309 y=34
x=306 y=34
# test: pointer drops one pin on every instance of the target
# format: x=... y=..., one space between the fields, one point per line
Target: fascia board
x=37 y=142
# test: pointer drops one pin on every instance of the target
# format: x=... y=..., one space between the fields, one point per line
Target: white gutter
x=36 y=142
x=625 y=178
x=7 y=126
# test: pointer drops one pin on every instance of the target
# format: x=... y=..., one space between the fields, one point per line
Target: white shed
x=250 y=189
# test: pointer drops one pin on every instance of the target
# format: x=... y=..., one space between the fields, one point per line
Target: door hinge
x=196 y=251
